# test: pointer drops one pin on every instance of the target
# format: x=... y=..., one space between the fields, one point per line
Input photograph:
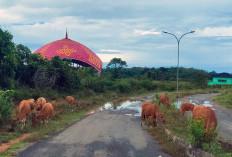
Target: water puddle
x=107 y=106
x=126 y=106
x=205 y=103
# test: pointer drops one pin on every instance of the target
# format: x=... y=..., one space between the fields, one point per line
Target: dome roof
x=67 y=48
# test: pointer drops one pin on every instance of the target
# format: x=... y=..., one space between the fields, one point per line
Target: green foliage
x=166 y=85
x=27 y=69
x=23 y=52
x=198 y=137
x=115 y=66
x=225 y=98
x=117 y=63
x=6 y=106
x=196 y=132
x=148 y=84
x=8 y=60
x=97 y=84
x=213 y=147
x=122 y=86
x=200 y=79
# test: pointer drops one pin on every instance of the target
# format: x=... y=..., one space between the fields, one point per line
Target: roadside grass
x=10 y=152
x=166 y=143
x=6 y=136
x=174 y=96
x=225 y=99
x=175 y=121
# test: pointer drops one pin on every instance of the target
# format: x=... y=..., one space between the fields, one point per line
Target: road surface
x=106 y=133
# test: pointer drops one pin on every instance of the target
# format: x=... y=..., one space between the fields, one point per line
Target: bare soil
x=5 y=146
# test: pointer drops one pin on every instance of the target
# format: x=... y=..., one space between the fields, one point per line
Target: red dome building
x=81 y=55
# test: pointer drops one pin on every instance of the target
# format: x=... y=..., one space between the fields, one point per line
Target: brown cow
x=21 y=104
x=186 y=107
x=163 y=99
x=24 y=110
x=39 y=103
x=53 y=103
x=44 y=114
x=32 y=103
x=206 y=114
x=71 y=100
x=151 y=109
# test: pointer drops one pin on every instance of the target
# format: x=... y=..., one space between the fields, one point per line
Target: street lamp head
x=165 y=32
x=192 y=31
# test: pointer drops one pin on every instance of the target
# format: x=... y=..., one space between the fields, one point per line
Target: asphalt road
x=103 y=134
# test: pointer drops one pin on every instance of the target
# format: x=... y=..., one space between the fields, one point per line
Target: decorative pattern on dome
x=43 y=51
x=92 y=59
x=65 y=50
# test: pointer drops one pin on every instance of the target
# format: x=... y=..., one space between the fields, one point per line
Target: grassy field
x=225 y=99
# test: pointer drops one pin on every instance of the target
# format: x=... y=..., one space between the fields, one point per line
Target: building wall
x=220 y=81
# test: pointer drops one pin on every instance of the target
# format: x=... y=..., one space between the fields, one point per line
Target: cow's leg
x=142 y=119
x=154 y=119
x=23 y=123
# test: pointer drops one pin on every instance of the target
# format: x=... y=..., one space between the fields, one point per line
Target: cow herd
x=40 y=109
x=199 y=112
x=43 y=111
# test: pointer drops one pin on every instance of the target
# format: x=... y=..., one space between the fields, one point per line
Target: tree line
x=21 y=68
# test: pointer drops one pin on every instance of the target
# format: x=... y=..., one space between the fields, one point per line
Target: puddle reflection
x=127 y=105
x=205 y=103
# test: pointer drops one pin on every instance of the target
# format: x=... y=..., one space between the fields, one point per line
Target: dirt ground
x=5 y=146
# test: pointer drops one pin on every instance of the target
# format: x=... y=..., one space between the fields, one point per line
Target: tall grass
x=225 y=98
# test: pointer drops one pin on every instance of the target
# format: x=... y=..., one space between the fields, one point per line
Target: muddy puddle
x=131 y=108
x=205 y=103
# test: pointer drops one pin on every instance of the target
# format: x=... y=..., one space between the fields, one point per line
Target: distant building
x=221 y=79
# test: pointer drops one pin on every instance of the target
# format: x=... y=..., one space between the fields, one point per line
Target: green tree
x=28 y=67
x=115 y=66
x=66 y=78
x=8 y=60
x=117 y=63
x=200 y=79
x=23 y=52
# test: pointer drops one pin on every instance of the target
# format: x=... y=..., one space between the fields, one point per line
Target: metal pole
x=178 y=55
x=177 y=76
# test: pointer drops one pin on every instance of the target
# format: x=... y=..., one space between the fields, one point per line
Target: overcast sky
x=129 y=29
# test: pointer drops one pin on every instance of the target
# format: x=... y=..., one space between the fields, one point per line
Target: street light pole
x=178 y=42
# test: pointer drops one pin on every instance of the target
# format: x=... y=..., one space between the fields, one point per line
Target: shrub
x=213 y=147
x=6 y=106
x=165 y=85
x=96 y=83
x=148 y=85
x=199 y=137
x=196 y=132
x=122 y=86
x=136 y=84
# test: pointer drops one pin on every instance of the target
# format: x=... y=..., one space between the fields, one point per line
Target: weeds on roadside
x=199 y=138
x=166 y=142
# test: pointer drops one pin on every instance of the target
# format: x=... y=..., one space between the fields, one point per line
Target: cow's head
x=161 y=117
